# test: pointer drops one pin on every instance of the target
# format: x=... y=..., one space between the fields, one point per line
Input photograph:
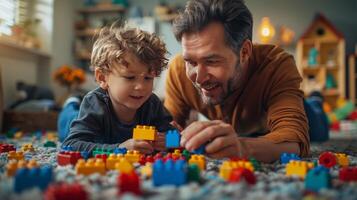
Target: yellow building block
x=15 y=155
x=342 y=159
x=298 y=168
x=132 y=156
x=27 y=147
x=13 y=165
x=199 y=160
x=90 y=167
x=124 y=166
x=146 y=170
x=144 y=133
x=51 y=136
x=176 y=153
x=18 y=135
x=112 y=160
x=227 y=167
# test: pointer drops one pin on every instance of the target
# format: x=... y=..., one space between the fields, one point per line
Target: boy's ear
x=101 y=78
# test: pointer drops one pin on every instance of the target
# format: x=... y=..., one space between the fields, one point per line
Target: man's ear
x=101 y=78
x=246 y=51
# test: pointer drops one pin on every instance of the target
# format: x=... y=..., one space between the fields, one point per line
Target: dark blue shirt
x=98 y=127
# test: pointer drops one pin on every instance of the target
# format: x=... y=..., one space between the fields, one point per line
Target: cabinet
x=320 y=59
x=93 y=18
x=352 y=65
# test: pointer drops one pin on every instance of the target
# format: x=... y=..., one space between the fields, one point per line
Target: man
x=244 y=89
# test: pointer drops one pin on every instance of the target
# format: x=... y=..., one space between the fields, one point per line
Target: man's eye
x=149 y=78
x=192 y=64
x=211 y=61
x=129 y=77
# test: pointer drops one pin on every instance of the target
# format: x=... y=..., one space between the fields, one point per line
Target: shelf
x=102 y=9
x=87 y=32
x=311 y=70
x=331 y=92
x=8 y=42
x=83 y=56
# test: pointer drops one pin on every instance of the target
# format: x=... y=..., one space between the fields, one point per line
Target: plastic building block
x=193 y=174
x=256 y=164
x=90 y=167
x=27 y=147
x=102 y=156
x=18 y=135
x=13 y=165
x=298 y=168
x=15 y=155
x=286 y=157
x=112 y=160
x=7 y=148
x=51 y=136
x=200 y=150
x=124 y=166
x=327 y=159
x=36 y=177
x=65 y=192
x=120 y=150
x=176 y=153
x=49 y=143
x=348 y=174
x=85 y=154
x=342 y=159
x=186 y=154
x=226 y=168
x=67 y=148
x=68 y=157
x=172 y=139
x=199 y=160
x=132 y=156
x=239 y=174
x=144 y=133
x=169 y=173
x=318 y=178
x=102 y=151
x=146 y=170
x=129 y=182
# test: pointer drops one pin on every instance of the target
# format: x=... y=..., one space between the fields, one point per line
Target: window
x=13 y=12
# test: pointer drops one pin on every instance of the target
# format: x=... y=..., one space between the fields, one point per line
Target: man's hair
x=114 y=41
x=233 y=14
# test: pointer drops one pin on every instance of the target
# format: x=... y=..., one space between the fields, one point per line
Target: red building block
x=68 y=157
x=65 y=192
x=7 y=148
x=239 y=174
x=327 y=159
x=102 y=156
x=129 y=182
x=348 y=174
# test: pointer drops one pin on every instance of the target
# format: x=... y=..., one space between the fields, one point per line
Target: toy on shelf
x=141 y=132
x=313 y=52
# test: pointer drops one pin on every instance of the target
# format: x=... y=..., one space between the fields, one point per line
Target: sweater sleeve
x=287 y=119
x=174 y=91
x=162 y=117
x=86 y=132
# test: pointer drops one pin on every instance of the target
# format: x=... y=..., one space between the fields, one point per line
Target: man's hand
x=139 y=145
x=221 y=138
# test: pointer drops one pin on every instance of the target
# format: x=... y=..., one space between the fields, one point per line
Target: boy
x=125 y=62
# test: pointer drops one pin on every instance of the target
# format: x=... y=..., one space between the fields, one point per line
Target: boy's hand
x=159 y=143
x=144 y=147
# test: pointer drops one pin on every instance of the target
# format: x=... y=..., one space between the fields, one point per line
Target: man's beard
x=233 y=83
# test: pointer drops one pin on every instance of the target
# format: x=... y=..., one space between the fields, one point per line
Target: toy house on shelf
x=320 y=58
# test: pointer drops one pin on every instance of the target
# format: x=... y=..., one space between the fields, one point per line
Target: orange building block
x=90 y=167
x=146 y=170
x=298 y=168
x=144 y=133
x=27 y=147
x=132 y=156
x=342 y=159
x=199 y=160
x=15 y=155
x=124 y=166
x=13 y=165
x=112 y=160
x=226 y=168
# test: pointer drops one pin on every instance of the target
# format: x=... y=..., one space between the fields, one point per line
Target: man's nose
x=201 y=74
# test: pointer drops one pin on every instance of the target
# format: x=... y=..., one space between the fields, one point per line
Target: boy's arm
x=87 y=130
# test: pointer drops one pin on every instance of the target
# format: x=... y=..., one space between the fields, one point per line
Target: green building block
x=50 y=144
x=193 y=174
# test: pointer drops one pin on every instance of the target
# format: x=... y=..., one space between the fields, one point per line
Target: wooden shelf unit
x=352 y=65
x=330 y=46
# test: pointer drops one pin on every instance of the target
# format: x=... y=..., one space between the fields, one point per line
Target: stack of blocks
x=228 y=166
x=169 y=172
x=26 y=178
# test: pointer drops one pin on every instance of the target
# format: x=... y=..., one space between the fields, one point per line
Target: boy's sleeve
x=86 y=131
x=162 y=116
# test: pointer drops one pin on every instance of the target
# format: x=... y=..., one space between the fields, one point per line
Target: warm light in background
x=266 y=30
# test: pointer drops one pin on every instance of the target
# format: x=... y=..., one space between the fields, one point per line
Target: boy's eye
x=148 y=78
x=129 y=77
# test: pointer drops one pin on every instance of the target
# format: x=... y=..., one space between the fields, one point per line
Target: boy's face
x=129 y=83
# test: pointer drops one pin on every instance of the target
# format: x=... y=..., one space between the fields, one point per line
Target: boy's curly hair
x=112 y=42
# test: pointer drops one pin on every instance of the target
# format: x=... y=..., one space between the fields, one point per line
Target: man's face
x=211 y=65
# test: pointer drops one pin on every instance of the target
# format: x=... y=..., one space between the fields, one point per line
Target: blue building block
x=317 y=178
x=169 y=173
x=26 y=178
x=120 y=151
x=67 y=148
x=172 y=139
x=286 y=157
x=200 y=150
x=85 y=154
